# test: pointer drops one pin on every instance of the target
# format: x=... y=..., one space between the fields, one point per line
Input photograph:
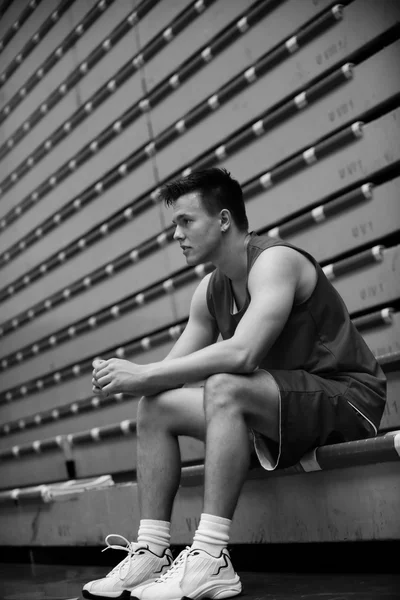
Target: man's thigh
x=180 y=410
x=256 y=395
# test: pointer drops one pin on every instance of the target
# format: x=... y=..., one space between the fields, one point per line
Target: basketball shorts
x=314 y=411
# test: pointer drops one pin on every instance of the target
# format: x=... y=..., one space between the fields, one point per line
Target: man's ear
x=226 y=219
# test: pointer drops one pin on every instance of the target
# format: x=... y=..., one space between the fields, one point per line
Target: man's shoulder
x=278 y=249
x=205 y=282
x=279 y=252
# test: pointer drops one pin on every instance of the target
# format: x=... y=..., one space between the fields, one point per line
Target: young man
x=290 y=373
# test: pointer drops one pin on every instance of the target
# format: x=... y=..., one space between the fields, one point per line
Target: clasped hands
x=116 y=376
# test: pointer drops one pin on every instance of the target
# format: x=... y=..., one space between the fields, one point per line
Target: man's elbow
x=247 y=362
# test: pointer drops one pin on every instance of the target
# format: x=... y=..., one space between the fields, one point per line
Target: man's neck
x=233 y=257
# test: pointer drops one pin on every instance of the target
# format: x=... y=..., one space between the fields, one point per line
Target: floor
x=58 y=582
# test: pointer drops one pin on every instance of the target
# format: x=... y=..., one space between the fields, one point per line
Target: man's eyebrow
x=179 y=217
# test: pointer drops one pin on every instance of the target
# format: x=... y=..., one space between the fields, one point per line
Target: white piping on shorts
x=234 y=308
x=362 y=415
x=263 y=453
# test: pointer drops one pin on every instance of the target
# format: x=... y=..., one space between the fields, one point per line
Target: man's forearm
x=221 y=357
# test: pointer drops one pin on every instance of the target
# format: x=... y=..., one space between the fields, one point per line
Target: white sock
x=155 y=535
x=212 y=534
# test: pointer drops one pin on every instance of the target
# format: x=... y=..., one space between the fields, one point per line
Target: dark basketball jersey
x=318 y=336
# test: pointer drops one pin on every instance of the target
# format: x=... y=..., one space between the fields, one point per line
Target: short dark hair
x=217 y=188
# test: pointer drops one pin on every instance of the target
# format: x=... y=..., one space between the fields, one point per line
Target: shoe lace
x=130 y=547
x=178 y=566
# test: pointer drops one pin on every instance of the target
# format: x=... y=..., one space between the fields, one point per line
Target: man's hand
x=96 y=364
x=116 y=376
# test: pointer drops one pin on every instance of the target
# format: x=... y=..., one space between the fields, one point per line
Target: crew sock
x=154 y=534
x=212 y=534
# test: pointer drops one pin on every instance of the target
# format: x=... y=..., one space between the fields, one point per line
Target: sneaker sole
x=123 y=595
x=221 y=595
x=236 y=595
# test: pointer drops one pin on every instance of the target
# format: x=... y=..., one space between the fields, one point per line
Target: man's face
x=198 y=233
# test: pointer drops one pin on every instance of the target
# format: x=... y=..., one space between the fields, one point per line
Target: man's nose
x=178 y=235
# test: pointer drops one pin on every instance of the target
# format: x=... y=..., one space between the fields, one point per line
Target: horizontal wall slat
x=148 y=317
x=89 y=458
x=66 y=24
x=50 y=133
x=108 y=19
x=118 y=49
x=85 y=105
x=80 y=421
x=374 y=82
x=10 y=17
x=71 y=187
x=372 y=285
x=391 y=416
x=159 y=18
x=35 y=469
x=385 y=338
x=298 y=70
x=378 y=147
x=18 y=85
x=352 y=227
x=210 y=22
x=56 y=116
x=262 y=37
x=222 y=122
x=84 y=220
x=54 y=397
x=139 y=275
x=92 y=459
x=112 y=46
x=24 y=33
x=78 y=144
x=69 y=391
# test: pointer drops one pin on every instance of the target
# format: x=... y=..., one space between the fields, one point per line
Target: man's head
x=208 y=206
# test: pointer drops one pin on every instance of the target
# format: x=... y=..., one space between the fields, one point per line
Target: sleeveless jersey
x=318 y=336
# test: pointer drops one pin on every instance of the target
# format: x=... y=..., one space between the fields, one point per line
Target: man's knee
x=221 y=392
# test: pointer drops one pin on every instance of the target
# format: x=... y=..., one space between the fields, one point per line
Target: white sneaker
x=139 y=567
x=195 y=574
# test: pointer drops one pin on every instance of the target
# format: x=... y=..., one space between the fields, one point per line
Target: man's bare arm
x=272 y=285
x=201 y=330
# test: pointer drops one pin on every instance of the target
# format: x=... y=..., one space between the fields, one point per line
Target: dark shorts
x=314 y=411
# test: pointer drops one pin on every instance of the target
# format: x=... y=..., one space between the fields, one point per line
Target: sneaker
x=195 y=574
x=139 y=567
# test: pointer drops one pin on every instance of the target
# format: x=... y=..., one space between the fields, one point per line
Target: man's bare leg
x=161 y=419
x=233 y=404
x=223 y=412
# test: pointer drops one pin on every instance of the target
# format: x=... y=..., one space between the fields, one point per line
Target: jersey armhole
x=209 y=296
